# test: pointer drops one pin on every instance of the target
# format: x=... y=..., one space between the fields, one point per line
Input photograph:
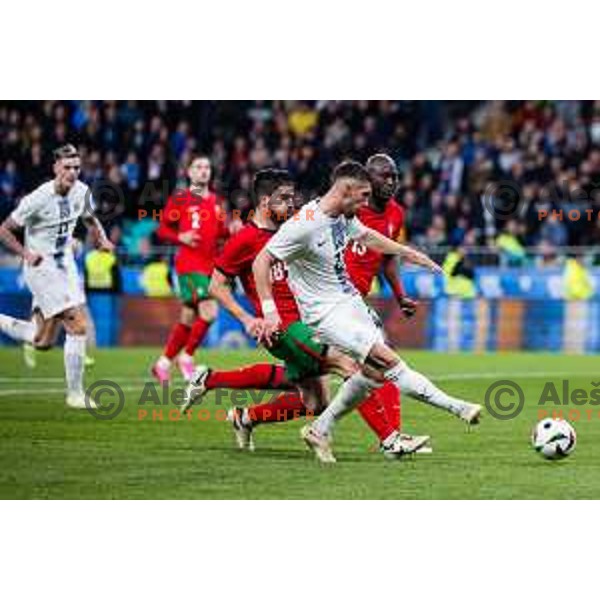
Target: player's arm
x=380 y=243
x=286 y=246
x=9 y=239
x=220 y=290
x=168 y=227
x=25 y=211
x=261 y=269
x=390 y=272
x=97 y=233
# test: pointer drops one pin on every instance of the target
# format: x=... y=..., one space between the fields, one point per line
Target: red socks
x=199 y=330
x=381 y=410
x=389 y=395
x=176 y=341
x=254 y=377
x=284 y=407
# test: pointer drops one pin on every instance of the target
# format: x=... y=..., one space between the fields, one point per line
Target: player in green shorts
x=194 y=221
x=305 y=359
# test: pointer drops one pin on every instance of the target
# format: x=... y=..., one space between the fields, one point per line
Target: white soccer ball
x=554 y=438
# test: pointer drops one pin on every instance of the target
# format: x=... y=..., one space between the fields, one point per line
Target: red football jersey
x=186 y=212
x=236 y=261
x=364 y=264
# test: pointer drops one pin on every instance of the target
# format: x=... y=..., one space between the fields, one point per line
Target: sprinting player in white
x=49 y=215
x=312 y=245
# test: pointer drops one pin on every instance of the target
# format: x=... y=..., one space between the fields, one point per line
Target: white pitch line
x=52 y=391
x=23 y=391
x=437 y=376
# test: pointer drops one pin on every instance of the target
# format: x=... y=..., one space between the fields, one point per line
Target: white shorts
x=352 y=327
x=55 y=288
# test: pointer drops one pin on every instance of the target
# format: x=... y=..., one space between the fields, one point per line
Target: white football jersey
x=49 y=218
x=312 y=244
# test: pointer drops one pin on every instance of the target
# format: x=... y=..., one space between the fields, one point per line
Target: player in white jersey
x=312 y=245
x=49 y=215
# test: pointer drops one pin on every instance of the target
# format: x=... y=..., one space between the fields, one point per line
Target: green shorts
x=302 y=353
x=193 y=287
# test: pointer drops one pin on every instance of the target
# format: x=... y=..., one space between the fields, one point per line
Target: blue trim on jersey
x=339 y=237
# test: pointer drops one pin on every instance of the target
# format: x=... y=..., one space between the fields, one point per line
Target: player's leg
x=19 y=330
x=305 y=360
x=177 y=339
x=351 y=328
x=44 y=339
x=207 y=311
x=310 y=398
x=417 y=385
x=90 y=361
x=284 y=407
x=262 y=376
x=75 y=324
x=374 y=414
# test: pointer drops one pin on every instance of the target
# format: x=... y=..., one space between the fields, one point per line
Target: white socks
x=350 y=394
x=74 y=351
x=419 y=387
x=22 y=331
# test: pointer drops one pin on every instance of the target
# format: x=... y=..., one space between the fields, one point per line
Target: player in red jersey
x=385 y=215
x=193 y=220
x=296 y=346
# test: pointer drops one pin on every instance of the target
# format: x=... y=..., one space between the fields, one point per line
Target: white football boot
x=243 y=432
x=404 y=444
x=196 y=388
x=320 y=444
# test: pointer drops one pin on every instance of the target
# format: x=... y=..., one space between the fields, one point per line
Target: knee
x=188 y=316
x=208 y=311
x=76 y=326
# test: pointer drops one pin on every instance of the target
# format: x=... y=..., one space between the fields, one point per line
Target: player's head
x=351 y=180
x=384 y=177
x=273 y=192
x=67 y=166
x=199 y=171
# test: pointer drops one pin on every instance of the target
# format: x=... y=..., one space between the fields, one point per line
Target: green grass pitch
x=48 y=451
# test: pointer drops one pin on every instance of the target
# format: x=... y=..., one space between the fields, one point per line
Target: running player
x=304 y=357
x=49 y=215
x=312 y=247
x=193 y=220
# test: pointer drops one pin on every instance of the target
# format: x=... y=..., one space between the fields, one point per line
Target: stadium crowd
x=450 y=155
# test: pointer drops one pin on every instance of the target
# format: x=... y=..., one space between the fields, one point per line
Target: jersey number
x=195 y=220
x=358 y=249
x=278 y=272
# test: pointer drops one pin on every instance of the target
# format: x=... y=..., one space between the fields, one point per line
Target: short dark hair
x=350 y=169
x=198 y=156
x=266 y=182
x=66 y=151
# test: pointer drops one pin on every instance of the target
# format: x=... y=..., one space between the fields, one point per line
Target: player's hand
x=271 y=329
x=33 y=259
x=254 y=327
x=408 y=306
x=190 y=238
x=105 y=245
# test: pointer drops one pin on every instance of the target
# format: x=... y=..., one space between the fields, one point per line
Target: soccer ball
x=554 y=438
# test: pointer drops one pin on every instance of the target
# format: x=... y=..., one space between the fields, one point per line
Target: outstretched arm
x=8 y=238
x=380 y=243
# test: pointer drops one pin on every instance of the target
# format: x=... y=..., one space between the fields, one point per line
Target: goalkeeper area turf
x=49 y=451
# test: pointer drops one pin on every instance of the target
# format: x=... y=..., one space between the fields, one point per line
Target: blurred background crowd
x=450 y=154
